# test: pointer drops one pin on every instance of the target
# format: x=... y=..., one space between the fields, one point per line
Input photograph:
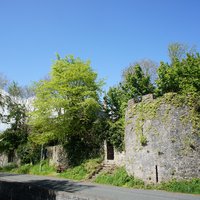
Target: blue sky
x=110 y=33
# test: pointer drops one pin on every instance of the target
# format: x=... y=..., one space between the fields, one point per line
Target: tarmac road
x=67 y=189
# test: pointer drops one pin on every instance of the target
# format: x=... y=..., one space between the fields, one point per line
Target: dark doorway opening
x=10 y=157
x=110 y=151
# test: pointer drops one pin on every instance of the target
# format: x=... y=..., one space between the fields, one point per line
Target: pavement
x=67 y=189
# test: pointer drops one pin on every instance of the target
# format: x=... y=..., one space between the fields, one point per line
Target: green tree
x=67 y=104
x=17 y=133
x=136 y=83
x=15 y=90
x=181 y=76
x=148 y=67
x=114 y=106
x=178 y=51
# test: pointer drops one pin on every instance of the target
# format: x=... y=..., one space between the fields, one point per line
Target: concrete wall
x=171 y=150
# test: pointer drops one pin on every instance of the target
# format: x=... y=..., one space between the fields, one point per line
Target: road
x=66 y=189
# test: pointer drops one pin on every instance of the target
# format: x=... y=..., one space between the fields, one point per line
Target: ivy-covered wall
x=162 y=138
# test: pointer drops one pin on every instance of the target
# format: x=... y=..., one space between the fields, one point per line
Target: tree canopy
x=67 y=105
x=181 y=76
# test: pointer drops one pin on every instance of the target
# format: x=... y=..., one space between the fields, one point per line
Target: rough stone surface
x=57 y=156
x=119 y=157
x=172 y=147
x=3 y=160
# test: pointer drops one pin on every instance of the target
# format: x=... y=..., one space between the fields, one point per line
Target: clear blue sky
x=110 y=33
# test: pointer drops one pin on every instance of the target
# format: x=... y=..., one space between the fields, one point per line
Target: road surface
x=66 y=189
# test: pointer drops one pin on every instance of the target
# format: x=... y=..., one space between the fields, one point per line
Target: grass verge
x=82 y=171
x=118 y=177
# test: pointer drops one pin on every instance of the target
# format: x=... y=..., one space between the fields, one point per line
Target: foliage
x=178 y=51
x=181 y=76
x=136 y=83
x=67 y=105
x=17 y=134
x=185 y=186
x=119 y=178
x=82 y=171
x=29 y=153
x=115 y=133
x=15 y=90
x=35 y=169
x=9 y=167
x=148 y=66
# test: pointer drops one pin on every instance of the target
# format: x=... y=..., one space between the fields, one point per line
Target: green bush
x=119 y=178
x=186 y=186
x=9 y=167
x=82 y=171
x=24 y=169
x=42 y=169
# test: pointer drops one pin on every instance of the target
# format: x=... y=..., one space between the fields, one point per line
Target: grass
x=82 y=171
x=118 y=177
x=8 y=168
x=30 y=169
x=185 y=186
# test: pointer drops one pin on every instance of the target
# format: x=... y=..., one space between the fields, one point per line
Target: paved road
x=83 y=190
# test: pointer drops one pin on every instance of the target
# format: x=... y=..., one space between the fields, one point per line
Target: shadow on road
x=60 y=185
x=21 y=188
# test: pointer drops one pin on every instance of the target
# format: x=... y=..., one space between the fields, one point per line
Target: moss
x=143 y=140
x=144 y=111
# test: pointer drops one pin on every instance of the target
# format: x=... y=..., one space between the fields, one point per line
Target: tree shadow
x=40 y=189
x=60 y=185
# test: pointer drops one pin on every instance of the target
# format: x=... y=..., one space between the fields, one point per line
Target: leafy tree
x=178 y=51
x=15 y=90
x=67 y=105
x=17 y=134
x=114 y=106
x=148 y=66
x=136 y=83
x=29 y=152
x=181 y=76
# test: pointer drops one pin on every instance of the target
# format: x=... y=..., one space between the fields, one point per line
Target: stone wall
x=161 y=146
x=3 y=160
x=57 y=156
x=119 y=157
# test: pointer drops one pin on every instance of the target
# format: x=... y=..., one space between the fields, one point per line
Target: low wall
x=3 y=160
x=57 y=156
x=27 y=191
x=24 y=191
x=119 y=157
